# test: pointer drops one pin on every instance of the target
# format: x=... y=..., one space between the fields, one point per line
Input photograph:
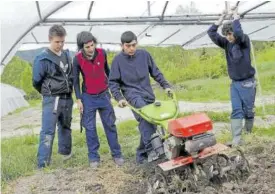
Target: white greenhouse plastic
x=158 y=23
x=11 y=99
x=25 y=25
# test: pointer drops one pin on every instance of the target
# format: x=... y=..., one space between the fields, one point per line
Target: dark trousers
x=146 y=129
x=102 y=103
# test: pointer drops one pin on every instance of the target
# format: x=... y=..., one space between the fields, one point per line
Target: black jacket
x=48 y=77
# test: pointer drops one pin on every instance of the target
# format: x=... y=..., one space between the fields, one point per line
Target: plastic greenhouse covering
x=159 y=23
x=12 y=99
x=25 y=24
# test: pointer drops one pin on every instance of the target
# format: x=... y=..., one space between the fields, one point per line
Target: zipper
x=48 y=86
x=65 y=76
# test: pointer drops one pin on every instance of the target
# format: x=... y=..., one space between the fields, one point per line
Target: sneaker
x=152 y=156
x=94 y=164
x=67 y=157
x=119 y=161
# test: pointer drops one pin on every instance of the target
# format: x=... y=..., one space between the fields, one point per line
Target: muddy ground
x=131 y=179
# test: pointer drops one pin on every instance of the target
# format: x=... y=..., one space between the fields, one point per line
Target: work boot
x=152 y=156
x=94 y=164
x=236 y=129
x=248 y=125
x=119 y=161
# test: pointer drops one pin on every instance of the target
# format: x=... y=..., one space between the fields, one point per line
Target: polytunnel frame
x=152 y=21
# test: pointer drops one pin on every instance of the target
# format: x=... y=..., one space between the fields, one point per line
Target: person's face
x=89 y=48
x=57 y=43
x=230 y=37
x=130 y=48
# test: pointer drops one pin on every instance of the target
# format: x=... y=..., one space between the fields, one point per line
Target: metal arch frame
x=149 y=20
x=149 y=8
x=177 y=31
x=164 y=10
x=33 y=26
x=34 y=38
x=157 y=20
x=250 y=33
x=90 y=9
x=150 y=27
x=38 y=10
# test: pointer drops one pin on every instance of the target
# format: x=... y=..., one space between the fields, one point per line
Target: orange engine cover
x=190 y=125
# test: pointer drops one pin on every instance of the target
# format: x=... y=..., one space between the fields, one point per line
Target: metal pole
x=34 y=38
x=253 y=32
x=90 y=28
x=164 y=9
x=151 y=19
x=252 y=8
x=38 y=9
x=169 y=37
x=149 y=8
x=202 y=34
x=90 y=9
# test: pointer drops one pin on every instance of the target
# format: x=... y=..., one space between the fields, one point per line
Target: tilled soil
x=132 y=179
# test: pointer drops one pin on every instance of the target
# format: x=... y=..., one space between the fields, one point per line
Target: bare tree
x=189 y=9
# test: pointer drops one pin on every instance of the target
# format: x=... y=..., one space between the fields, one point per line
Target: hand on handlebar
x=122 y=103
x=169 y=92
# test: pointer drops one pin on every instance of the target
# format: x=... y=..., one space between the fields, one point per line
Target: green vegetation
x=18 y=73
x=202 y=90
x=19 y=153
x=197 y=75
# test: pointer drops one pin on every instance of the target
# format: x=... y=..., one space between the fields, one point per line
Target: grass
x=225 y=116
x=258 y=132
x=19 y=153
x=269 y=110
x=28 y=126
x=204 y=90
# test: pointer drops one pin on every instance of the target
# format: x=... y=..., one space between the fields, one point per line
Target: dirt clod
x=133 y=179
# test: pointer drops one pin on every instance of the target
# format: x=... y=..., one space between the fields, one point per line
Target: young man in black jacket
x=52 y=77
x=243 y=87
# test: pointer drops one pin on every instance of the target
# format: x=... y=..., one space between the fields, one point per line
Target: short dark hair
x=227 y=28
x=57 y=30
x=128 y=37
x=83 y=38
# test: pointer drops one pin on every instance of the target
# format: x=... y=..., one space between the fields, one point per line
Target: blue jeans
x=63 y=119
x=102 y=103
x=146 y=129
x=243 y=95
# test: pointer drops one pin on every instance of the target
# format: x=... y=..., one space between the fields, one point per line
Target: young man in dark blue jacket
x=243 y=87
x=52 y=77
x=129 y=74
